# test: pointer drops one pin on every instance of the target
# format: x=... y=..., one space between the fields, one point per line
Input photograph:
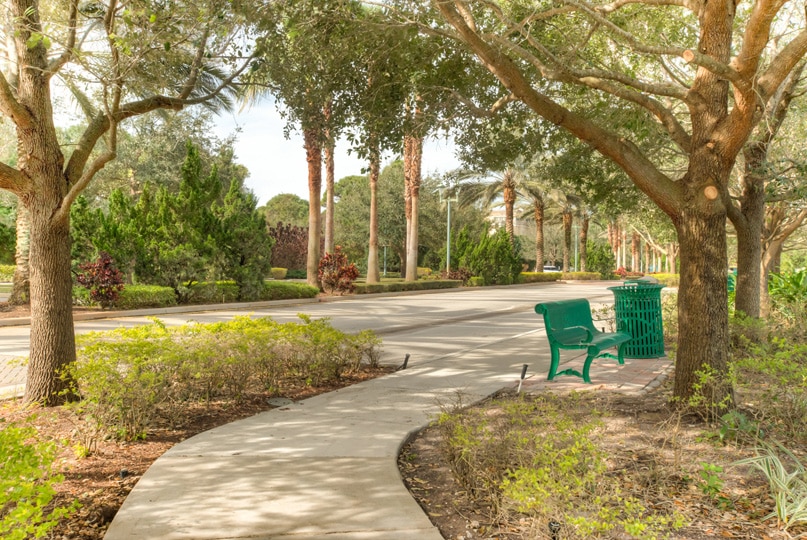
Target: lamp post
x=448 y=200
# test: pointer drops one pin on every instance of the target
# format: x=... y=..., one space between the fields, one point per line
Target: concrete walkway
x=326 y=467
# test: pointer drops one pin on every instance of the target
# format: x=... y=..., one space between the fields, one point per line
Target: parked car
x=548 y=268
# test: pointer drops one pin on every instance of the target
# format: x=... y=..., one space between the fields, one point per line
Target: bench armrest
x=589 y=335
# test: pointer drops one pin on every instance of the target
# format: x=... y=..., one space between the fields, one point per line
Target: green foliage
x=281 y=290
x=421 y=285
x=129 y=379
x=336 y=274
x=27 y=485
x=8 y=235
x=788 y=294
x=533 y=457
x=777 y=373
x=788 y=487
x=278 y=273
x=493 y=257
x=709 y=397
x=538 y=277
x=7 y=272
x=287 y=209
x=145 y=296
x=600 y=258
x=581 y=276
x=177 y=238
x=668 y=280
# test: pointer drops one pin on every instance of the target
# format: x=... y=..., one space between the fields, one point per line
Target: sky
x=277 y=165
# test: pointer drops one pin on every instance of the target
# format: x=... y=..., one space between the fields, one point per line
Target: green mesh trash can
x=638 y=312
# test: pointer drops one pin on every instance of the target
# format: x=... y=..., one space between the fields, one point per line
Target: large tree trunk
x=372 y=249
x=313 y=155
x=20 y=287
x=538 y=212
x=583 y=239
x=52 y=339
x=749 y=233
x=567 y=239
x=413 y=155
x=702 y=296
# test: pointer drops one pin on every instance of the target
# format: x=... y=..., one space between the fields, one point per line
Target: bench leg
x=621 y=353
x=592 y=354
x=553 y=365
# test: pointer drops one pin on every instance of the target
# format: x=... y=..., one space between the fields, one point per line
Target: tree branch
x=57 y=63
x=11 y=107
x=644 y=174
x=11 y=179
x=782 y=65
x=599 y=80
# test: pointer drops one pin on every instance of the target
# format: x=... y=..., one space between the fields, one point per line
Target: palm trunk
x=372 y=249
x=635 y=247
x=567 y=239
x=413 y=155
x=583 y=238
x=509 y=204
x=538 y=212
x=313 y=154
x=329 y=183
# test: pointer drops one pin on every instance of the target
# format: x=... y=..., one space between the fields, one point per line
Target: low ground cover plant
x=27 y=485
x=131 y=379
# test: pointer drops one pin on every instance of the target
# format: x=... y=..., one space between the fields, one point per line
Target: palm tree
x=503 y=184
x=536 y=196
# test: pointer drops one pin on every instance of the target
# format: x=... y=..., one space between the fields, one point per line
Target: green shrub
x=129 y=379
x=538 y=277
x=475 y=281
x=668 y=280
x=284 y=290
x=423 y=272
x=532 y=457
x=421 y=285
x=26 y=485
x=7 y=273
x=600 y=258
x=212 y=292
x=145 y=296
x=296 y=274
x=581 y=276
x=279 y=273
x=493 y=258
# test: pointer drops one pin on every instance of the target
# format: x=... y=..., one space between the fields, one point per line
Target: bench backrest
x=563 y=315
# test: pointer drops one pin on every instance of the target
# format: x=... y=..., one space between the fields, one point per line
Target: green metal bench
x=569 y=326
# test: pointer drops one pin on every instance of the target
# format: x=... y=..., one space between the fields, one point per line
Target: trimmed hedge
x=581 y=276
x=538 y=277
x=284 y=290
x=145 y=296
x=7 y=272
x=212 y=292
x=669 y=280
x=420 y=285
x=279 y=273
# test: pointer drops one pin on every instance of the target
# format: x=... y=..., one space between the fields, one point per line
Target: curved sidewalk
x=326 y=467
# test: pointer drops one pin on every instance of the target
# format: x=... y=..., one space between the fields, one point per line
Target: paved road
x=414 y=324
